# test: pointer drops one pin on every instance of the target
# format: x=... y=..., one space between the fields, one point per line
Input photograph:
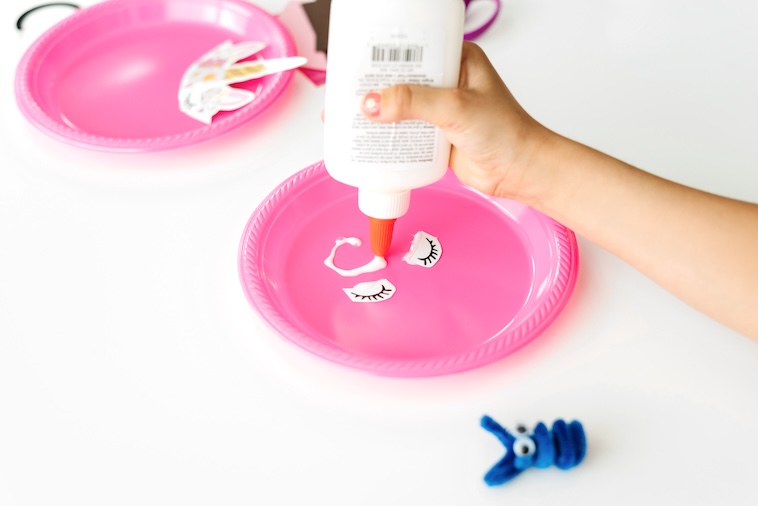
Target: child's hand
x=697 y=245
x=493 y=138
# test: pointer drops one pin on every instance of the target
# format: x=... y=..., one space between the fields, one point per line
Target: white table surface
x=134 y=372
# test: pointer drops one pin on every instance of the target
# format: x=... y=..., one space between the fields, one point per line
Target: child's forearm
x=701 y=247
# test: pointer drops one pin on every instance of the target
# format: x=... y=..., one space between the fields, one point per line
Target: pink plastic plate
x=505 y=273
x=107 y=77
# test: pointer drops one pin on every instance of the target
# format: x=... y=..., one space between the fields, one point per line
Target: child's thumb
x=407 y=101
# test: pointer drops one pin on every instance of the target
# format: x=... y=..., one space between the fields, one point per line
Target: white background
x=133 y=370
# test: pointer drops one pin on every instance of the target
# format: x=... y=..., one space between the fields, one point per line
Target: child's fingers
x=440 y=106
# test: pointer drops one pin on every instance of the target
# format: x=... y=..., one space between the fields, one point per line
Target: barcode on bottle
x=397 y=54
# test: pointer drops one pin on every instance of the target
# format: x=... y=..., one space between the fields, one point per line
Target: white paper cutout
x=371 y=291
x=425 y=251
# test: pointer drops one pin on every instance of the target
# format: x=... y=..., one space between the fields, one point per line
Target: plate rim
x=504 y=343
x=37 y=116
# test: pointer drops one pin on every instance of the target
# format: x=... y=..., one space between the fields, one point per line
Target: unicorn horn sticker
x=205 y=87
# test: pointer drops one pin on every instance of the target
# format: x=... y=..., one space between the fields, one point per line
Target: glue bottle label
x=393 y=56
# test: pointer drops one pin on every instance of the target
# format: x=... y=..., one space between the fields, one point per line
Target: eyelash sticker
x=371 y=291
x=425 y=250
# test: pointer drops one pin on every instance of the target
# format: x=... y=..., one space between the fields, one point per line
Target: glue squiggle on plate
x=378 y=263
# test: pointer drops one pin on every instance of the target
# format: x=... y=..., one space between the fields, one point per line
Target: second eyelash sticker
x=425 y=251
x=371 y=291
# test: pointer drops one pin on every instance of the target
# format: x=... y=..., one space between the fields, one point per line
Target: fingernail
x=372 y=103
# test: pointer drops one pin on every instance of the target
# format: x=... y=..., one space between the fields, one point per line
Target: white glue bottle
x=374 y=44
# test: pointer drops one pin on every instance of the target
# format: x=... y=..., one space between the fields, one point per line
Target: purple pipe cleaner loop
x=20 y=20
x=484 y=26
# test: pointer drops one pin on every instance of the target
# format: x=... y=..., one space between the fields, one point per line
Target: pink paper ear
x=234 y=98
x=295 y=19
x=242 y=50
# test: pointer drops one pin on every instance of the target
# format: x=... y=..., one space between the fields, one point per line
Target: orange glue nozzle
x=381 y=235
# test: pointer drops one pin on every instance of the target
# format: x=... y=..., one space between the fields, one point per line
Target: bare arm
x=701 y=247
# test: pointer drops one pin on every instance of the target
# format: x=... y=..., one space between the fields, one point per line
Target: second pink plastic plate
x=504 y=275
x=107 y=77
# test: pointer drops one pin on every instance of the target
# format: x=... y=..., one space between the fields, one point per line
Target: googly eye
x=521 y=429
x=524 y=447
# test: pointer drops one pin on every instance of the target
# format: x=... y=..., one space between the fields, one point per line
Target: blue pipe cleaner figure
x=564 y=446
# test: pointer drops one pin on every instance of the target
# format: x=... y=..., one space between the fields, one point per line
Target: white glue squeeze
x=373 y=45
x=374 y=265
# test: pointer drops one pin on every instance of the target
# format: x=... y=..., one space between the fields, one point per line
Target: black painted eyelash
x=433 y=254
x=377 y=296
